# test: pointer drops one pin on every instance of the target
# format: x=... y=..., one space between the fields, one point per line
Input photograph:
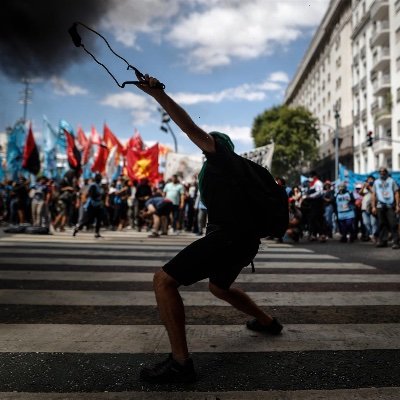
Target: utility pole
x=166 y=127
x=337 y=118
x=26 y=97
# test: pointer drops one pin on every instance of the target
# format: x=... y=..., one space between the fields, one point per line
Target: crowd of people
x=90 y=204
x=318 y=211
x=370 y=212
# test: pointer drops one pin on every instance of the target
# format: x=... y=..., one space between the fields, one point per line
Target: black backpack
x=265 y=202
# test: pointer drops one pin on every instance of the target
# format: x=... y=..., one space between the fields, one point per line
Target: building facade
x=353 y=66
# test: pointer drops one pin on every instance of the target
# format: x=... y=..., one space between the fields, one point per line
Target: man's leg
x=172 y=313
x=242 y=302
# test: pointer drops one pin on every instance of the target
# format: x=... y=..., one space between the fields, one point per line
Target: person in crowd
x=296 y=195
x=19 y=201
x=358 y=222
x=385 y=204
x=93 y=208
x=67 y=196
x=370 y=222
x=159 y=208
x=174 y=191
x=328 y=198
x=293 y=232
x=345 y=214
x=121 y=195
x=316 y=208
x=201 y=215
x=143 y=193
x=219 y=256
x=40 y=200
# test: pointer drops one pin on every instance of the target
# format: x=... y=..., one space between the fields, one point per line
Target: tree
x=294 y=132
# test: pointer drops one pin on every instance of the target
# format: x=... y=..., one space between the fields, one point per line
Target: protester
x=220 y=255
x=159 y=208
x=93 y=208
x=345 y=214
x=385 y=204
x=174 y=191
x=316 y=208
x=370 y=222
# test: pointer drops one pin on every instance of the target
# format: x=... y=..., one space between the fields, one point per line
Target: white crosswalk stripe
x=54 y=261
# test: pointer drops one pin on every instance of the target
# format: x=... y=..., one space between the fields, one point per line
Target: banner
x=184 y=165
x=50 y=140
x=261 y=155
x=351 y=178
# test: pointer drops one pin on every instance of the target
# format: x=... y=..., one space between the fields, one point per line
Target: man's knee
x=162 y=280
x=217 y=291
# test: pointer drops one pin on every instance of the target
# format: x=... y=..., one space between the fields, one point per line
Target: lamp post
x=26 y=97
x=166 y=127
x=337 y=118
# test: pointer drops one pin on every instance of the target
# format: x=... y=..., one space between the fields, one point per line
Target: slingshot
x=78 y=43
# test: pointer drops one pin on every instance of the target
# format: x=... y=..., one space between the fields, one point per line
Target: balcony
x=364 y=114
x=381 y=85
x=363 y=83
x=356 y=59
x=374 y=107
x=356 y=89
x=356 y=118
x=383 y=145
x=363 y=52
x=380 y=35
x=381 y=59
x=379 y=10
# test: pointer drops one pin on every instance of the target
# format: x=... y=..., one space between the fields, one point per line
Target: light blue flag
x=50 y=139
x=62 y=140
x=2 y=172
x=15 y=148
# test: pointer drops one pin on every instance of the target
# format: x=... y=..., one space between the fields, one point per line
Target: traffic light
x=370 y=139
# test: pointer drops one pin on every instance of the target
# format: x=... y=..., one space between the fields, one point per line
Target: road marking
x=20 y=338
x=146 y=298
x=242 y=278
x=387 y=393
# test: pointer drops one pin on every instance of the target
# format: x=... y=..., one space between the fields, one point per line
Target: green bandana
x=226 y=141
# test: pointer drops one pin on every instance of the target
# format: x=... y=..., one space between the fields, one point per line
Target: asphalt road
x=78 y=320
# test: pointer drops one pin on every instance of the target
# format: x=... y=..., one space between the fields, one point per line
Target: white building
x=322 y=84
x=353 y=64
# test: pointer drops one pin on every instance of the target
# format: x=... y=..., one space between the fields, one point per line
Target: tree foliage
x=294 y=132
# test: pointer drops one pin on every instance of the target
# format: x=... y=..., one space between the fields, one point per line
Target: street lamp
x=166 y=127
x=337 y=118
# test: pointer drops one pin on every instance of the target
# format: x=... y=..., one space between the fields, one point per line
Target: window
x=339 y=62
x=398 y=64
x=398 y=35
x=398 y=128
x=398 y=95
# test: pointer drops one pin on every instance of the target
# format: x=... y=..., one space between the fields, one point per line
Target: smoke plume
x=34 y=41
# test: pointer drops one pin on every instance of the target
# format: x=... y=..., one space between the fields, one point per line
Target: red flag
x=111 y=140
x=86 y=151
x=73 y=154
x=82 y=139
x=30 y=158
x=143 y=164
x=96 y=139
x=99 y=164
x=135 y=142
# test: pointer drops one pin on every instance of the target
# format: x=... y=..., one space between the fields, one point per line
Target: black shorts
x=164 y=209
x=218 y=256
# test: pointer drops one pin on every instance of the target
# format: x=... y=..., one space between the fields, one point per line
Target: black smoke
x=34 y=41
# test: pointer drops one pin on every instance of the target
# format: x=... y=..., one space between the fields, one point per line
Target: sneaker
x=169 y=371
x=97 y=235
x=396 y=246
x=382 y=244
x=74 y=232
x=153 y=235
x=274 y=328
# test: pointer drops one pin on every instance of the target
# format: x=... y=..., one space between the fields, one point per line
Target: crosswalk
x=78 y=319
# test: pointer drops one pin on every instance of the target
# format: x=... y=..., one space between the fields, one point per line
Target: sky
x=224 y=61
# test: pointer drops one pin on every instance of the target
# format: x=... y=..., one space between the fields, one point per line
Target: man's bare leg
x=172 y=313
x=242 y=302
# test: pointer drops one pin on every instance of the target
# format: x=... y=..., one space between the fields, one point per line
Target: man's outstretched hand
x=149 y=84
